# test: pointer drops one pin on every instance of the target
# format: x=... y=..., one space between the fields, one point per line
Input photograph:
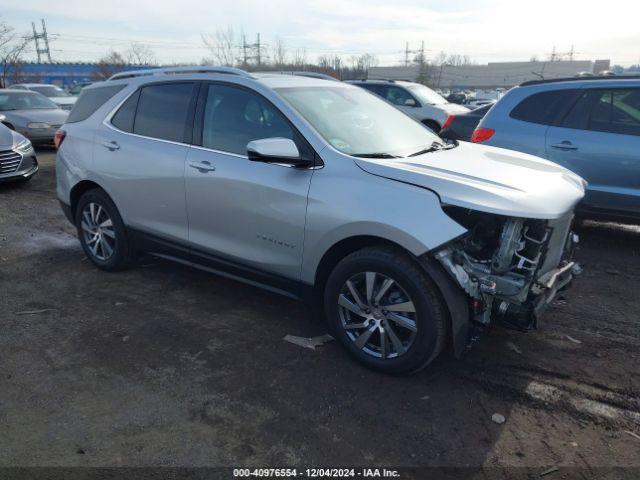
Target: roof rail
x=580 y=79
x=302 y=73
x=183 y=70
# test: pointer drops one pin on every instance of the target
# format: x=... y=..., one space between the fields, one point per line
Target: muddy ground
x=165 y=365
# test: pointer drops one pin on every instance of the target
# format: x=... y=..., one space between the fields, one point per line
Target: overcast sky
x=486 y=30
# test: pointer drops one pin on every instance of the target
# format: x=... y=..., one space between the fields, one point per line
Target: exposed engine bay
x=512 y=268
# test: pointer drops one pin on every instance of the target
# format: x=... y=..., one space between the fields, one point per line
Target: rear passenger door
x=243 y=215
x=139 y=155
x=599 y=139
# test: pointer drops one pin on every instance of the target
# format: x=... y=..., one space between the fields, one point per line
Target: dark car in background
x=457 y=97
x=31 y=114
x=461 y=126
x=589 y=125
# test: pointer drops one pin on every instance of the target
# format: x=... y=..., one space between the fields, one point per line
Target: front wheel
x=385 y=310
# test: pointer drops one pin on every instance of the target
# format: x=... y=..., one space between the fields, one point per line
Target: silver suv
x=317 y=189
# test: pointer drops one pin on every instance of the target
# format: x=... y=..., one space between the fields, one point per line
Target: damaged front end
x=511 y=268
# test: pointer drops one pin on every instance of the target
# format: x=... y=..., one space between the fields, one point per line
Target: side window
x=123 y=119
x=234 y=116
x=91 y=100
x=398 y=96
x=376 y=88
x=625 y=111
x=547 y=108
x=578 y=116
x=163 y=110
x=600 y=118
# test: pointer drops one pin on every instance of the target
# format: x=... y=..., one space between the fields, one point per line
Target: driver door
x=248 y=215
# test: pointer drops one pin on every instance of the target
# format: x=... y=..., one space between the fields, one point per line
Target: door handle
x=111 y=146
x=203 y=166
x=566 y=145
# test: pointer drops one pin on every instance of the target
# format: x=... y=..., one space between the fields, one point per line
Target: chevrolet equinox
x=317 y=189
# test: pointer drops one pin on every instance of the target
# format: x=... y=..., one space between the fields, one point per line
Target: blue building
x=61 y=74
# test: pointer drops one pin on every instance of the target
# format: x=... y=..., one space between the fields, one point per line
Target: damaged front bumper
x=510 y=268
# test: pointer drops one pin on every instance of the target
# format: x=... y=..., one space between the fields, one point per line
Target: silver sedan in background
x=31 y=114
x=17 y=157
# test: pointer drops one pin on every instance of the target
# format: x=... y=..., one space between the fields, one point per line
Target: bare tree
x=363 y=62
x=300 y=58
x=12 y=48
x=108 y=65
x=221 y=45
x=279 y=53
x=140 y=54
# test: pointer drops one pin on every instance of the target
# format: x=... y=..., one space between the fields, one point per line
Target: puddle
x=47 y=240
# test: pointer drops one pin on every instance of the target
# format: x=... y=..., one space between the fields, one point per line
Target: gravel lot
x=165 y=365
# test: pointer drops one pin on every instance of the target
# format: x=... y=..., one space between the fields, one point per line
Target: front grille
x=9 y=161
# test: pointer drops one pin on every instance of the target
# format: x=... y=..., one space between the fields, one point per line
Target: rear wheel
x=101 y=231
x=385 y=310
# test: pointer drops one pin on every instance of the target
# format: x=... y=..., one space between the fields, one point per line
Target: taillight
x=448 y=121
x=58 y=138
x=482 y=134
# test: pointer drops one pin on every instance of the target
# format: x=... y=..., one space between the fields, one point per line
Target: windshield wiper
x=435 y=146
x=374 y=155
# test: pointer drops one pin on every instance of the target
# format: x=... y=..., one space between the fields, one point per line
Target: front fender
x=349 y=204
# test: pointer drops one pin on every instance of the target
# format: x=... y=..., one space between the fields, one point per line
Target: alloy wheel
x=98 y=231
x=377 y=314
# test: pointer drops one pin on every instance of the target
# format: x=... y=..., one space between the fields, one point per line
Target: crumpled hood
x=488 y=179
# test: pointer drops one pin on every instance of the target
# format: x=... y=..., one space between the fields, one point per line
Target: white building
x=492 y=75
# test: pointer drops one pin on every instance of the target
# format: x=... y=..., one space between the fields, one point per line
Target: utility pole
x=45 y=40
x=406 y=55
x=244 y=50
x=259 y=50
x=571 y=54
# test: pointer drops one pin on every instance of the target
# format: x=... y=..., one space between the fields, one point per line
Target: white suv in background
x=414 y=99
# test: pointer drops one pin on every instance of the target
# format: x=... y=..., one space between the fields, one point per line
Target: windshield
x=358 y=123
x=426 y=95
x=50 y=91
x=24 y=101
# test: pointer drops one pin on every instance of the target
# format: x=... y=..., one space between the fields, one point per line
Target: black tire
x=433 y=125
x=121 y=254
x=430 y=316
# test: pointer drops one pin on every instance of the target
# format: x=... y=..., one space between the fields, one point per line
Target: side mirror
x=410 y=102
x=282 y=151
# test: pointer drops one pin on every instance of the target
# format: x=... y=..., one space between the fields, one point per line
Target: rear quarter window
x=91 y=100
x=546 y=108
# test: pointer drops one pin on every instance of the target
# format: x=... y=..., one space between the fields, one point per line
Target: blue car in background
x=588 y=125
